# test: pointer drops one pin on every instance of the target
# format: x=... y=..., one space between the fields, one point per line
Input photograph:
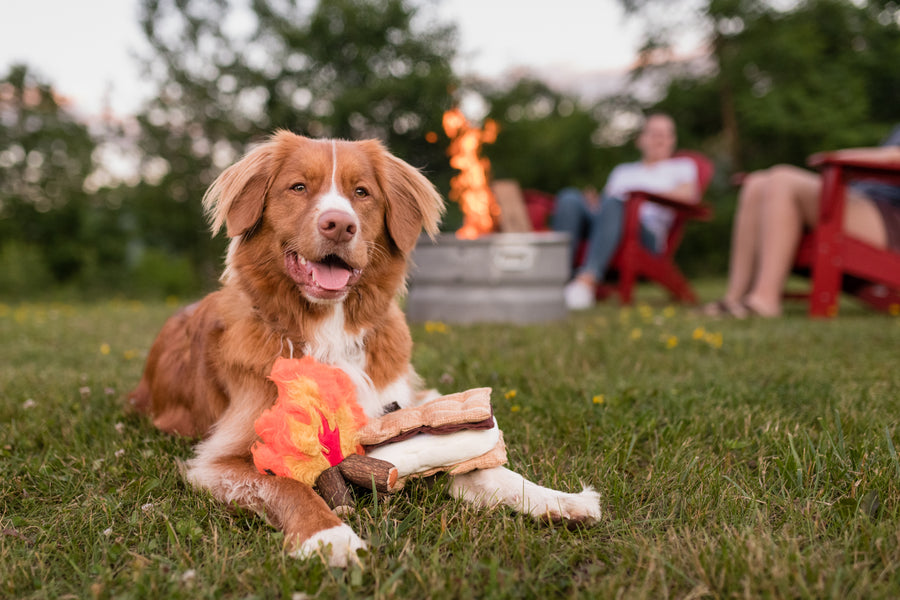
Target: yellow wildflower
x=515 y=408
x=699 y=333
x=714 y=339
x=510 y=394
x=635 y=333
x=435 y=327
x=598 y=399
x=671 y=342
x=104 y=348
x=646 y=312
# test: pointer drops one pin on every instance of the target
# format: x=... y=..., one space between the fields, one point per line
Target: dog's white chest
x=333 y=345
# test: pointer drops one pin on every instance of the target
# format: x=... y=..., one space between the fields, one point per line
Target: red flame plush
x=312 y=425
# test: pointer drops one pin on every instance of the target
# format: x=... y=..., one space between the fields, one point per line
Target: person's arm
x=686 y=193
x=886 y=154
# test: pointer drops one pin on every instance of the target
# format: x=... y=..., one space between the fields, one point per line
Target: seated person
x=602 y=218
x=774 y=206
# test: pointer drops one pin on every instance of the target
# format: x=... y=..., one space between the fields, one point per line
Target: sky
x=85 y=48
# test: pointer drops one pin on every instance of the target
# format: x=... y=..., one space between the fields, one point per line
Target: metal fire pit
x=499 y=278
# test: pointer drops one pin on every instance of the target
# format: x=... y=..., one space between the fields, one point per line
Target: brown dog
x=321 y=231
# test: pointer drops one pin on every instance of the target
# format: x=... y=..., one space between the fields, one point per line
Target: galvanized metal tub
x=499 y=278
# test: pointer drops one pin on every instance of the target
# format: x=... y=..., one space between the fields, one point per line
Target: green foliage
x=546 y=139
x=159 y=272
x=734 y=458
x=23 y=268
x=706 y=245
x=45 y=157
x=788 y=82
x=806 y=88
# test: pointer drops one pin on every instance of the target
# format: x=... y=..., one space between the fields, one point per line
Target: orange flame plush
x=312 y=425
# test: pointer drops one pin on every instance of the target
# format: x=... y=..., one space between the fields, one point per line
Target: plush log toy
x=317 y=433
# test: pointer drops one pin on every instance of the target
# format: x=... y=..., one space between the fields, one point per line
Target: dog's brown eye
x=361 y=192
x=299 y=187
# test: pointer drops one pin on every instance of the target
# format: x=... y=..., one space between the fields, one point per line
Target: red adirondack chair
x=836 y=261
x=632 y=261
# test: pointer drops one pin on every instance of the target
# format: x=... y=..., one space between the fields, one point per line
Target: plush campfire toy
x=318 y=434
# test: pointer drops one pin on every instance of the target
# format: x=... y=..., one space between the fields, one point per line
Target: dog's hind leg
x=488 y=488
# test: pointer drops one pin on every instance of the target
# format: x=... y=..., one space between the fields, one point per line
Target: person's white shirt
x=658 y=177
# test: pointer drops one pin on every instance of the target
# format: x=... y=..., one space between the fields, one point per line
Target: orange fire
x=313 y=423
x=471 y=188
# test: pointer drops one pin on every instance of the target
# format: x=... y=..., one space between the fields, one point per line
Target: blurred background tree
x=51 y=229
x=549 y=139
x=782 y=79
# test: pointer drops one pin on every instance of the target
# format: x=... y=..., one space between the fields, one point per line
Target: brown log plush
x=334 y=490
x=365 y=471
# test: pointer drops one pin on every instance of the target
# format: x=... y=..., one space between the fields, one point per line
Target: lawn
x=735 y=459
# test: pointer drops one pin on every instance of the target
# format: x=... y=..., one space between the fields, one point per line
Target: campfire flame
x=470 y=188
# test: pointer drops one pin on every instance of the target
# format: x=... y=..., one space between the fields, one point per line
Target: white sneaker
x=579 y=295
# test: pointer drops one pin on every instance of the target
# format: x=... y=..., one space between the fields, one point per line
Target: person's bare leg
x=862 y=220
x=792 y=201
x=745 y=237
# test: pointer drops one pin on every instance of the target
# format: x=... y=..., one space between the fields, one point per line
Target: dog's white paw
x=583 y=507
x=337 y=546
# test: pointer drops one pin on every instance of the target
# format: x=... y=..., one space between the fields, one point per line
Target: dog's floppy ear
x=412 y=201
x=238 y=195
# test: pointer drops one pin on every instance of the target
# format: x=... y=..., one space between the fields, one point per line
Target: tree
x=548 y=140
x=47 y=218
x=343 y=68
x=785 y=79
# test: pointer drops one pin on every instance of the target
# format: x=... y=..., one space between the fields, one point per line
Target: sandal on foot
x=723 y=309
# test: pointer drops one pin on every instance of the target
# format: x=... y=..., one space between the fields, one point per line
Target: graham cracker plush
x=454 y=412
x=456 y=433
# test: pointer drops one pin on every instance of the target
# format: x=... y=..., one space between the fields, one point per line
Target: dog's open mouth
x=327 y=279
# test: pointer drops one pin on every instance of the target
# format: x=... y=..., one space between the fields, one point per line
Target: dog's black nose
x=337 y=226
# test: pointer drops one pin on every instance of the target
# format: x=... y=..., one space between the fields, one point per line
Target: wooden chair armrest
x=841 y=167
x=700 y=211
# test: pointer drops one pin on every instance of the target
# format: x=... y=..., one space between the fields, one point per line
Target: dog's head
x=326 y=209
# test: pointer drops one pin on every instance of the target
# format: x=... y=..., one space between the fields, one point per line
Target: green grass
x=734 y=458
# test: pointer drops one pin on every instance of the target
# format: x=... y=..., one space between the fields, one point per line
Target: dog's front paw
x=573 y=509
x=337 y=546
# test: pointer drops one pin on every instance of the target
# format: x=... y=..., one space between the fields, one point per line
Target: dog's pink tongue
x=330 y=277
